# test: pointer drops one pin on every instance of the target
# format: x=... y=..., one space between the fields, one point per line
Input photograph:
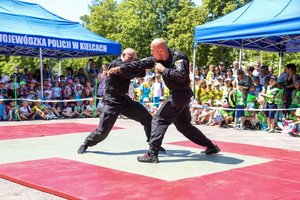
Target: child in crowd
x=238 y=97
x=147 y=104
x=195 y=111
x=205 y=115
x=201 y=96
x=57 y=108
x=3 y=115
x=145 y=89
x=211 y=73
x=48 y=92
x=226 y=88
x=257 y=86
x=25 y=111
x=226 y=114
x=57 y=90
x=89 y=108
x=270 y=94
x=292 y=123
x=217 y=92
x=279 y=101
x=78 y=91
x=39 y=111
x=68 y=91
x=79 y=108
x=51 y=112
x=209 y=92
x=251 y=98
x=12 y=111
x=157 y=90
x=39 y=91
x=68 y=110
x=3 y=91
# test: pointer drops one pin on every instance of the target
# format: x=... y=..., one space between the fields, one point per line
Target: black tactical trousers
x=176 y=110
x=113 y=107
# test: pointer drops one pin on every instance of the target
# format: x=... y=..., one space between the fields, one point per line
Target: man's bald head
x=129 y=55
x=159 y=49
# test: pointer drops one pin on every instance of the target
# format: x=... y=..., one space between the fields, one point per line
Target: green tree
x=181 y=31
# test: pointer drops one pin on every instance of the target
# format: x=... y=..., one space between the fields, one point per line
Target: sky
x=68 y=9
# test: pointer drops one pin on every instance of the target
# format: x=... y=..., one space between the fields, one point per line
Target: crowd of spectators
x=224 y=96
x=243 y=97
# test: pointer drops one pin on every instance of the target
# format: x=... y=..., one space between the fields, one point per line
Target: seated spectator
x=79 y=108
x=12 y=111
x=89 y=108
x=51 y=112
x=39 y=111
x=292 y=123
x=57 y=108
x=25 y=111
x=68 y=110
x=3 y=115
x=205 y=115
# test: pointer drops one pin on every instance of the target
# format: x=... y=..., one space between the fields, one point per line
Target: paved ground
x=126 y=140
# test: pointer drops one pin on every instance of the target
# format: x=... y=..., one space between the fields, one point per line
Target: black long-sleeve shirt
x=118 y=84
x=175 y=74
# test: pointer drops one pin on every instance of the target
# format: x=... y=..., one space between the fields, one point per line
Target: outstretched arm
x=133 y=67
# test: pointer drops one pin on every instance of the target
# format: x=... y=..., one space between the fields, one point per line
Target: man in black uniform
x=116 y=102
x=174 y=68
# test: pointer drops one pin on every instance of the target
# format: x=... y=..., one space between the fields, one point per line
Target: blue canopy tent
x=27 y=29
x=267 y=25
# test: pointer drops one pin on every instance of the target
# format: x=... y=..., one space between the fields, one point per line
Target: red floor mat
x=94 y=182
x=39 y=130
x=278 y=179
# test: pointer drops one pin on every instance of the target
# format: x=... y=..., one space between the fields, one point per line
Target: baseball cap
x=273 y=77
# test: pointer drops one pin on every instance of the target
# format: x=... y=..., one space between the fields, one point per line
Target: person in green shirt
x=239 y=98
x=270 y=95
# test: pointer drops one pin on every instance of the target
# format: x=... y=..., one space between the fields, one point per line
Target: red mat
x=278 y=179
x=39 y=130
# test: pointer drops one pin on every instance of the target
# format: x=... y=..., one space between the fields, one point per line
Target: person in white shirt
x=157 y=90
x=56 y=91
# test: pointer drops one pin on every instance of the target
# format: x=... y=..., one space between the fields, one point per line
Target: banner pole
x=95 y=95
x=15 y=108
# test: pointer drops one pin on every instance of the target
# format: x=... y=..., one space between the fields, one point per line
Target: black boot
x=214 y=150
x=148 y=158
x=82 y=149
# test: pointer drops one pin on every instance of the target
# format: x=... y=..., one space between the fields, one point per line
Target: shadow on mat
x=181 y=156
